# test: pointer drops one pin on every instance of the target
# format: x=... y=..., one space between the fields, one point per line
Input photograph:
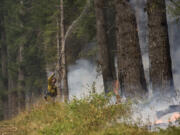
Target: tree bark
x=102 y=41
x=4 y=63
x=159 y=48
x=59 y=88
x=131 y=73
x=21 y=92
x=63 y=55
x=111 y=35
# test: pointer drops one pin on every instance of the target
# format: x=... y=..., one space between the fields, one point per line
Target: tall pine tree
x=159 y=48
x=131 y=73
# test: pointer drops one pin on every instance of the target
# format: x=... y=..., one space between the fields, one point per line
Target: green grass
x=93 y=115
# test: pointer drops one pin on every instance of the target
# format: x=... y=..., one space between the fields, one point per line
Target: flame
x=158 y=122
x=116 y=89
x=174 y=117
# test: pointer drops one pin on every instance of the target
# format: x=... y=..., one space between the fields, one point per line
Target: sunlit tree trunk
x=131 y=73
x=59 y=91
x=102 y=41
x=63 y=55
x=159 y=48
x=62 y=68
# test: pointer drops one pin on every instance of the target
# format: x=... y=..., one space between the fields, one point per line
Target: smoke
x=81 y=78
x=174 y=34
x=146 y=110
x=83 y=74
x=139 y=7
x=84 y=68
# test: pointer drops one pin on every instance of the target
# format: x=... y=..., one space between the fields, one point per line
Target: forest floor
x=93 y=115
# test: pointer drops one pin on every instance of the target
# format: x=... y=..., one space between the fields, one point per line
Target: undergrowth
x=93 y=115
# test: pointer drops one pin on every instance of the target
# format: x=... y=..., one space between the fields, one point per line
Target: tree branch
x=174 y=3
x=75 y=22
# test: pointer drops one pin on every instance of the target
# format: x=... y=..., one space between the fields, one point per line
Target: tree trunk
x=12 y=97
x=63 y=55
x=4 y=64
x=102 y=41
x=59 y=90
x=62 y=68
x=111 y=35
x=131 y=73
x=21 y=92
x=159 y=48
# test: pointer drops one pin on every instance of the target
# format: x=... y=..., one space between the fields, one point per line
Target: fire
x=175 y=116
x=158 y=122
x=116 y=89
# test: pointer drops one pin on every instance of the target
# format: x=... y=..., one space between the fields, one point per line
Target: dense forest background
x=132 y=34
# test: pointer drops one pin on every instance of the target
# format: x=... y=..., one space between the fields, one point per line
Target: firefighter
x=52 y=88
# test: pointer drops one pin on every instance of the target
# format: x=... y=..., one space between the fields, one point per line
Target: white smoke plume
x=174 y=37
x=81 y=77
x=147 y=110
